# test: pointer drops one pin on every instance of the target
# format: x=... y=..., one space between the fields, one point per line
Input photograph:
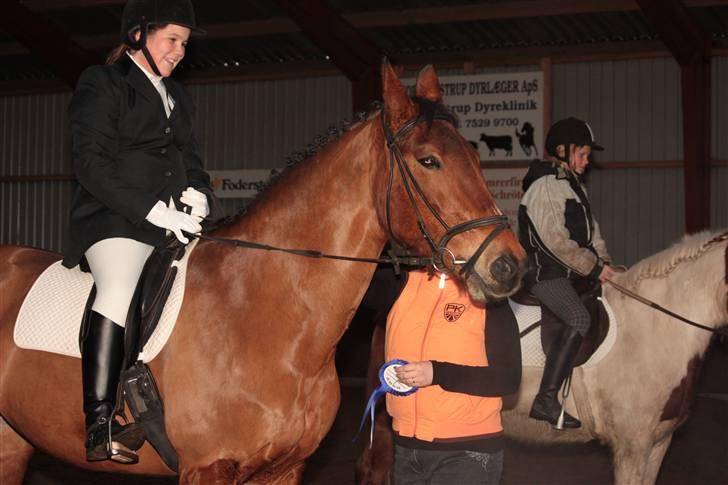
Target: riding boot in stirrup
x=102 y=353
x=559 y=362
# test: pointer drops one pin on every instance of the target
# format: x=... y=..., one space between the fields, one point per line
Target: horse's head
x=437 y=202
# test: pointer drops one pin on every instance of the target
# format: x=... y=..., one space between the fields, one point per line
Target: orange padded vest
x=429 y=323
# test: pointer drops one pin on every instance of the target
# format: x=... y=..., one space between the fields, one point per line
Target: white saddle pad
x=50 y=317
x=531 y=351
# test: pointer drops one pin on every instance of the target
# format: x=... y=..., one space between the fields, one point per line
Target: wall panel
x=719 y=111
x=719 y=197
x=33 y=141
x=633 y=107
x=260 y=124
x=247 y=125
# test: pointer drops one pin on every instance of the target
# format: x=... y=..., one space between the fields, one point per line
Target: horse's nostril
x=503 y=268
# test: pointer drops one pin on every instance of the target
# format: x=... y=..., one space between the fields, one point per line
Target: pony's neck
x=687 y=279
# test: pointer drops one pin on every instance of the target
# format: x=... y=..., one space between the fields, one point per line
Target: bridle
x=439 y=248
x=398 y=255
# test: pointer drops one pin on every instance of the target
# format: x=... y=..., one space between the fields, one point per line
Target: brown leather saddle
x=551 y=325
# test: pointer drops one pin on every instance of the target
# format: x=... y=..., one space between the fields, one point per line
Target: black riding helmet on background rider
x=568 y=132
x=139 y=15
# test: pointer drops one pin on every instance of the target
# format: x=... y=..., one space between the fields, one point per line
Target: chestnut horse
x=639 y=393
x=248 y=376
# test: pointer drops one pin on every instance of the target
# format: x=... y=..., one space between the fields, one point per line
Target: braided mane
x=689 y=248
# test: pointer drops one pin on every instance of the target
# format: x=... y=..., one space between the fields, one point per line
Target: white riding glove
x=197 y=201
x=174 y=220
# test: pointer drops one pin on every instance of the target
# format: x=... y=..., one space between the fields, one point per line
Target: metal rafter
x=680 y=32
x=365 y=20
x=450 y=13
x=46 y=40
x=346 y=47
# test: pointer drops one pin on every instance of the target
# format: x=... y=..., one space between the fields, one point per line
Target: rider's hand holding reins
x=174 y=220
x=607 y=273
x=197 y=202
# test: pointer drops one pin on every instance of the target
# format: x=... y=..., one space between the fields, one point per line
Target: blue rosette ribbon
x=388 y=384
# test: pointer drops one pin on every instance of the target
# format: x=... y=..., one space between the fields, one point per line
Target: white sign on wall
x=501 y=114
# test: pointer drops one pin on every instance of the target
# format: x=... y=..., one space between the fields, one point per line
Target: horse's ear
x=398 y=107
x=428 y=85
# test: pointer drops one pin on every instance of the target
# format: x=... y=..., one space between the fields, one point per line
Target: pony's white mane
x=661 y=264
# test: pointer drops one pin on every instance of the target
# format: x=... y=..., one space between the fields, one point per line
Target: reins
x=652 y=304
x=394 y=260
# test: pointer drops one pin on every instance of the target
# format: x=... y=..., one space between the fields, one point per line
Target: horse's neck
x=326 y=203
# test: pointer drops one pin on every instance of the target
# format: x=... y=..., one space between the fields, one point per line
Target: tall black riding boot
x=102 y=354
x=546 y=406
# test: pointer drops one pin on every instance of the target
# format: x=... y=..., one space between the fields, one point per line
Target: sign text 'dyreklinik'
x=500 y=114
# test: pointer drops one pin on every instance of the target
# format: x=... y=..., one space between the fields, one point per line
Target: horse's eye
x=430 y=163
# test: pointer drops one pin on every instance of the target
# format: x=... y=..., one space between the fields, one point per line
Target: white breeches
x=116 y=264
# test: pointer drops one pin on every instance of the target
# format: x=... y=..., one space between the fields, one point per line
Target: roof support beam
x=46 y=40
x=695 y=78
x=347 y=48
x=451 y=13
x=366 y=20
x=691 y=47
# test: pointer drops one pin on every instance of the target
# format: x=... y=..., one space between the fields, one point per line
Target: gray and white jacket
x=556 y=226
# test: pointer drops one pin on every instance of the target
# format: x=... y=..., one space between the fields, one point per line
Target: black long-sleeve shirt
x=502 y=375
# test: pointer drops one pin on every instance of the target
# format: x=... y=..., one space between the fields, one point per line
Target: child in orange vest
x=449 y=431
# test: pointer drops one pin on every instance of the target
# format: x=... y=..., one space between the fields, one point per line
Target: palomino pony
x=635 y=397
x=248 y=376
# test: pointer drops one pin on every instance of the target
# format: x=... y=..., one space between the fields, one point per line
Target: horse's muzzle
x=505 y=269
x=504 y=279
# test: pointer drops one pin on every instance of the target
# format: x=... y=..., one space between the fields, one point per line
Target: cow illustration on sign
x=503 y=142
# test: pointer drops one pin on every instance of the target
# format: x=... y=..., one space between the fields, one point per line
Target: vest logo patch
x=453 y=311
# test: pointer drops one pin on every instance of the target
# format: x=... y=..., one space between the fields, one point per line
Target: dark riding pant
x=561 y=298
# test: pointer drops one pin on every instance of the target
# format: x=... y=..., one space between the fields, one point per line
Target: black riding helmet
x=570 y=131
x=138 y=15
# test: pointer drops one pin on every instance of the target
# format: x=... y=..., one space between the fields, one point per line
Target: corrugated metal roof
x=401 y=40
